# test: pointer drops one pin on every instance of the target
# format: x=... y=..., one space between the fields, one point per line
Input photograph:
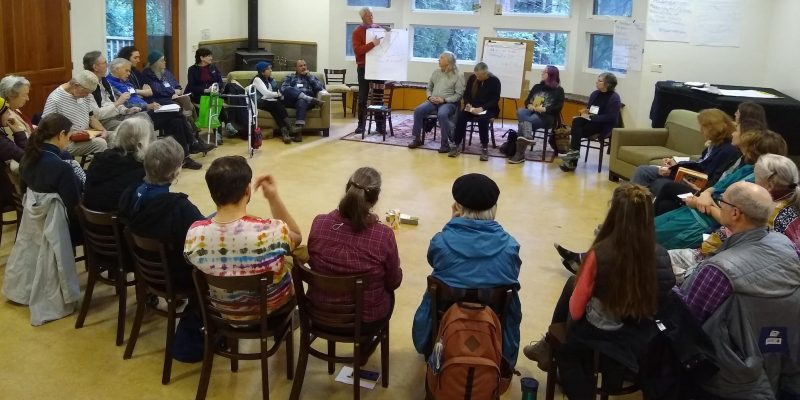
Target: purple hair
x=553 y=80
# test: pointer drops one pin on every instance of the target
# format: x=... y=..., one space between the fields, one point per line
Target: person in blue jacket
x=165 y=86
x=474 y=252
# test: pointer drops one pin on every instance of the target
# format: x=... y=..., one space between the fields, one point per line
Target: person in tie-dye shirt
x=233 y=243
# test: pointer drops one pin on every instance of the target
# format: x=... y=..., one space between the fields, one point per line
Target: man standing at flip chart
x=361 y=48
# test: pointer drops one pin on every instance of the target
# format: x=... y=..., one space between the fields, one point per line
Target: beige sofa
x=631 y=147
x=318 y=118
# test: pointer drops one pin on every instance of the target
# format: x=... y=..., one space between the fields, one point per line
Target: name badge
x=131 y=90
x=299 y=85
x=594 y=110
x=166 y=84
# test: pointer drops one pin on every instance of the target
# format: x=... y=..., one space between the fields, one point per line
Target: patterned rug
x=402 y=124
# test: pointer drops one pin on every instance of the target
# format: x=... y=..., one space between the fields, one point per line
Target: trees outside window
x=600 y=50
x=447 y=5
x=617 y=8
x=550 y=48
x=547 y=7
x=369 y=3
x=431 y=41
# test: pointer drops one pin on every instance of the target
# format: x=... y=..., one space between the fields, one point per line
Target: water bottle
x=529 y=387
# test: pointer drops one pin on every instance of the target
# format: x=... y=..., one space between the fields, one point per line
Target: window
x=348 y=37
x=547 y=7
x=600 y=49
x=620 y=8
x=447 y=5
x=369 y=3
x=550 y=47
x=431 y=41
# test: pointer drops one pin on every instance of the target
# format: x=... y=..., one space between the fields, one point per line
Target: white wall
x=783 y=57
x=300 y=20
x=87 y=24
x=220 y=19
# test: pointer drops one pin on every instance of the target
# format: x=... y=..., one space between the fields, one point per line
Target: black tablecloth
x=783 y=114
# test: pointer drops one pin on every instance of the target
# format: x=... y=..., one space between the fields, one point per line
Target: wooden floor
x=538 y=205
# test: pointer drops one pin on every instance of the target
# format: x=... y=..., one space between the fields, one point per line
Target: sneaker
x=541 y=352
x=455 y=151
x=191 y=164
x=484 y=154
x=568 y=166
x=415 y=143
x=230 y=130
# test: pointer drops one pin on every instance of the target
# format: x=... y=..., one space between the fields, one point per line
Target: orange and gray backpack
x=467 y=359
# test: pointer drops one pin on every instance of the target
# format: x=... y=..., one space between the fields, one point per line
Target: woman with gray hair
x=151 y=210
x=116 y=169
x=777 y=174
x=13 y=96
x=444 y=92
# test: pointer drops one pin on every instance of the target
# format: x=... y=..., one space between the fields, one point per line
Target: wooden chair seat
x=379 y=105
x=334 y=79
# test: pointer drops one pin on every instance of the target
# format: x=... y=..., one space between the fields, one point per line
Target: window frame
x=413 y=28
x=588 y=67
x=359 y=7
x=538 y=15
x=593 y=12
x=474 y=11
x=534 y=65
x=348 y=57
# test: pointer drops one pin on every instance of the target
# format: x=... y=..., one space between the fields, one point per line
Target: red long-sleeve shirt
x=360 y=44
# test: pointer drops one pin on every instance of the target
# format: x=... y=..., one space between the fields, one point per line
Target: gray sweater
x=449 y=86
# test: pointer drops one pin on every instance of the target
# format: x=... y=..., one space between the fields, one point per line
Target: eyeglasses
x=720 y=202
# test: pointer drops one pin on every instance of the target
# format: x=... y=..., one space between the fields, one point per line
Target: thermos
x=529 y=388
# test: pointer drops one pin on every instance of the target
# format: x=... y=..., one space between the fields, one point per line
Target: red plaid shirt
x=708 y=291
x=335 y=249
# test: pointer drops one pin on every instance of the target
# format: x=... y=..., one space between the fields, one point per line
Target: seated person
x=233 y=243
x=779 y=176
x=111 y=110
x=137 y=78
x=173 y=123
x=717 y=128
x=268 y=96
x=166 y=88
x=600 y=116
x=11 y=152
x=43 y=169
x=118 y=168
x=753 y=265
x=300 y=92
x=350 y=240
x=151 y=210
x=444 y=92
x=13 y=95
x=73 y=101
x=481 y=98
x=616 y=291
x=202 y=75
x=459 y=263
x=542 y=106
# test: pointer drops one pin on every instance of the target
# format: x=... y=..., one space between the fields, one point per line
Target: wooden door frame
x=140 y=33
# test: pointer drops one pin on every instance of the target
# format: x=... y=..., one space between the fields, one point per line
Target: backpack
x=509 y=148
x=467 y=360
x=236 y=115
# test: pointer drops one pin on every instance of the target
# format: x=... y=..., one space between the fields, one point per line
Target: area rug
x=402 y=124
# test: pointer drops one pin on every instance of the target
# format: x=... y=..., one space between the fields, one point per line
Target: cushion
x=337 y=88
x=643 y=155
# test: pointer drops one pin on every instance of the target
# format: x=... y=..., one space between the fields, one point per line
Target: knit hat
x=154 y=56
x=262 y=65
x=475 y=191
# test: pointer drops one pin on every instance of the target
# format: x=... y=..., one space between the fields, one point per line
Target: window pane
x=601 y=47
x=550 y=47
x=429 y=42
x=119 y=26
x=447 y=5
x=622 y=8
x=348 y=44
x=550 y=7
x=371 y=3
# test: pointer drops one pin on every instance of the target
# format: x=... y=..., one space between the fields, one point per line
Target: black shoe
x=200 y=147
x=360 y=130
x=570 y=259
x=298 y=137
x=443 y=150
x=188 y=163
x=415 y=143
x=484 y=154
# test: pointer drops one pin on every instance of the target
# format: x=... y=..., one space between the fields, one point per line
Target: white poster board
x=387 y=61
x=506 y=60
x=668 y=20
x=716 y=23
x=628 y=45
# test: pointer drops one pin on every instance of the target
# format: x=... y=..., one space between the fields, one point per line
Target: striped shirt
x=78 y=111
x=247 y=246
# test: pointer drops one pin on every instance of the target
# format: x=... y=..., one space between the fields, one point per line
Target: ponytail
x=361 y=193
x=49 y=127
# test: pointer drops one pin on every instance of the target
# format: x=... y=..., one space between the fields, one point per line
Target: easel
x=527 y=63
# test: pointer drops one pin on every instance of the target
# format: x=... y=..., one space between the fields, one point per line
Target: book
x=698 y=179
x=169 y=108
x=678 y=159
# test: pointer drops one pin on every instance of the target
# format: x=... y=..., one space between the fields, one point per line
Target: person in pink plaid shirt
x=351 y=240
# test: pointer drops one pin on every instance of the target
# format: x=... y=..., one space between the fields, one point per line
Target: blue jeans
x=537 y=122
x=443 y=112
x=292 y=99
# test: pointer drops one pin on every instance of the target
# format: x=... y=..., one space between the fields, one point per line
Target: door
x=34 y=49
x=146 y=24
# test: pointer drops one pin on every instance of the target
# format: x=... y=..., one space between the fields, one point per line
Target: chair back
x=329 y=317
x=334 y=75
x=684 y=132
x=380 y=94
x=443 y=296
x=151 y=264
x=247 y=311
x=103 y=243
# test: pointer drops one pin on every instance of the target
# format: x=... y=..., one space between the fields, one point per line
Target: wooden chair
x=379 y=102
x=472 y=126
x=546 y=134
x=334 y=323
x=556 y=335
x=244 y=318
x=334 y=84
x=153 y=278
x=10 y=201
x=435 y=119
x=106 y=249
x=603 y=142
x=354 y=98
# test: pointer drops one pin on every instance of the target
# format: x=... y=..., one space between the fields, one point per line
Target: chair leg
x=331 y=353
x=87 y=298
x=385 y=358
x=491 y=135
x=264 y=370
x=137 y=325
x=122 y=289
x=205 y=370
x=586 y=156
x=289 y=352
x=302 y=362
x=600 y=160
x=369 y=125
x=391 y=129
x=550 y=389
x=356 y=371
x=234 y=349
x=344 y=105
x=165 y=375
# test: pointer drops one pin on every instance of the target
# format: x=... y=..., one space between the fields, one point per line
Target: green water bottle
x=529 y=387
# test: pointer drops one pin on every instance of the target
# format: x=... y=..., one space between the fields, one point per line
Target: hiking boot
x=415 y=143
x=525 y=129
x=524 y=142
x=484 y=154
x=188 y=163
x=455 y=151
x=541 y=352
x=519 y=156
x=286 y=134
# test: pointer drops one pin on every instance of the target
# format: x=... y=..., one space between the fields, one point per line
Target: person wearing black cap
x=474 y=252
x=268 y=93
